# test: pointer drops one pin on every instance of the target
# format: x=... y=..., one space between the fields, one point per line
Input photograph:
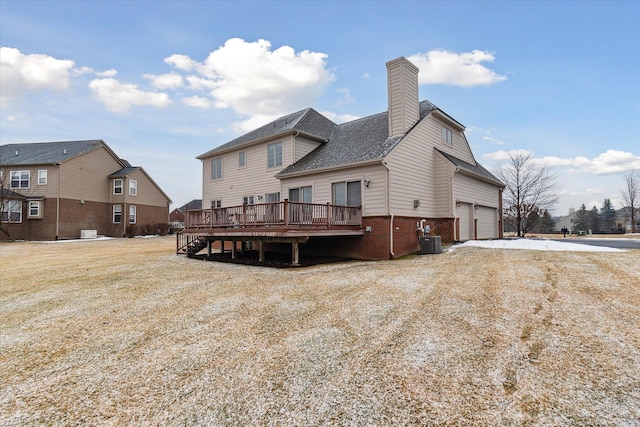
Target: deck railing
x=280 y=214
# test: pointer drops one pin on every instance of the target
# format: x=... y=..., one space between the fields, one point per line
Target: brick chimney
x=402 y=84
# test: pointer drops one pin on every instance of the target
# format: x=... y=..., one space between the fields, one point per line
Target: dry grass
x=124 y=332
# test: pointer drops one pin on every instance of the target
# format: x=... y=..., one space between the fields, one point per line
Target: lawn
x=124 y=332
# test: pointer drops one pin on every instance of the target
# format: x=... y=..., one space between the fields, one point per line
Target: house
x=363 y=189
x=57 y=190
x=176 y=216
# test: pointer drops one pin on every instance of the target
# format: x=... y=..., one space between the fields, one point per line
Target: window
x=272 y=197
x=117 y=186
x=347 y=193
x=11 y=211
x=42 y=177
x=302 y=194
x=20 y=179
x=216 y=203
x=242 y=159
x=133 y=187
x=216 y=168
x=34 y=209
x=132 y=214
x=247 y=200
x=447 y=136
x=274 y=155
x=117 y=214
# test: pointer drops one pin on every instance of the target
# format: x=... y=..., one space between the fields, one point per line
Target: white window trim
x=277 y=161
x=216 y=203
x=133 y=187
x=42 y=177
x=9 y=206
x=38 y=206
x=447 y=135
x=133 y=214
x=117 y=209
x=218 y=175
x=242 y=159
x=20 y=172
x=116 y=186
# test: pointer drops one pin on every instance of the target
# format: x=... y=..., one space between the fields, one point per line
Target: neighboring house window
x=20 y=179
x=11 y=211
x=34 y=209
x=347 y=193
x=42 y=177
x=242 y=159
x=117 y=186
x=274 y=155
x=117 y=214
x=247 y=200
x=272 y=197
x=302 y=194
x=133 y=187
x=216 y=203
x=132 y=214
x=447 y=136
x=216 y=168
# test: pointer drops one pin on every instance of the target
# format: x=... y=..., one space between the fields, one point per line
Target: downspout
x=455 y=209
x=391 y=215
x=58 y=202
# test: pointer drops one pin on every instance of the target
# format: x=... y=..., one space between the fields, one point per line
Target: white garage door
x=487 y=223
x=465 y=219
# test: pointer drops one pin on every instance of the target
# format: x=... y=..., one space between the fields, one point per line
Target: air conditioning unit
x=430 y=245
x=88 y=234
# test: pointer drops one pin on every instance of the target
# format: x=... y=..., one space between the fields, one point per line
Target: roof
x=41 y=153
x=475 y=170
x=357 y=141
x=124 y=171
x=192 y=205
x=307 y=122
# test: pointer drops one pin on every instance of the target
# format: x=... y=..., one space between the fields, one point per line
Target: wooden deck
x=289 y=222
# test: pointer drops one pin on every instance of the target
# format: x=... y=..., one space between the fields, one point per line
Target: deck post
x=295 y=253
x=233 y=249
x=286 y=212
x=328 y=215
x=209 y=247
x=260 y=251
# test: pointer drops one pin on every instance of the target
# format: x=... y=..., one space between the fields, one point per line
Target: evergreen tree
x=607 y=216
x=594 y=220
x=582 y=219
x=546 y=224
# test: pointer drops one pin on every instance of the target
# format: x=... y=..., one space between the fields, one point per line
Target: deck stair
x=190 y=245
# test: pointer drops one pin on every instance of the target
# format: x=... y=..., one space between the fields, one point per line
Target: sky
x=162 y=82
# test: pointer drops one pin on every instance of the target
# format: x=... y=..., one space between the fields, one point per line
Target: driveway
x=610 y=243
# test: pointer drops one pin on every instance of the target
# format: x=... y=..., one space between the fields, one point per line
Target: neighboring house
x=176 y=216
x=623 y=219
x=368 y=186
x=567 y=222
x=55 y=190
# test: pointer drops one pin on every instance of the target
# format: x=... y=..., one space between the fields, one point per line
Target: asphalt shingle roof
x=476 y=169
x=41 y=153
x=352 y=142
x=308 y=122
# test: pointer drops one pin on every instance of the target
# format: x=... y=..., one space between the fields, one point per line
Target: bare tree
x=631 y=195
x=530 y=187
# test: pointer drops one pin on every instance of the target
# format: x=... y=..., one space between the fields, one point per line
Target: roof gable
x=308 y=122
x=40 y=153
x=357 y=141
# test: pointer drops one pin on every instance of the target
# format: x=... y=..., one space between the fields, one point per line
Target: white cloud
x=165 y=81
x=197 y=102
x=609 y=162
x=21 y=73
x=252 y=79
x=119 y=97
x=339 y=118
x=458 y=69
